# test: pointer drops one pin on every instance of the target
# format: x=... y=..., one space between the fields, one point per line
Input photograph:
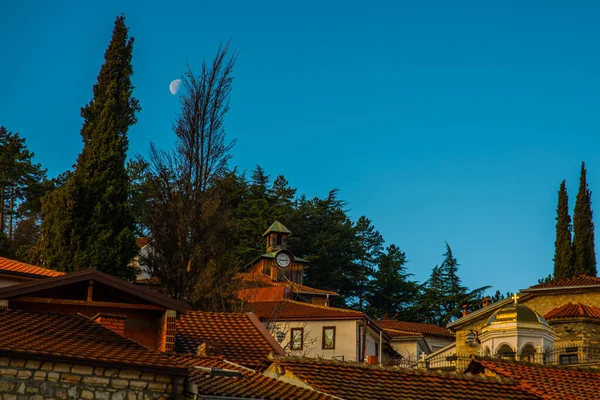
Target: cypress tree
x=563 y=251
x=88 y=221
x=583 y=227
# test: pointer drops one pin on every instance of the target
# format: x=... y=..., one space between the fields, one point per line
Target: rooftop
x=574 y=281
x=549 y=383
x=238 y=337
x=571 y=310
x=262 y=280
x=21 y=268
x=74 y=337
x=360 y=381
x=249 y=385
x=296 y=310
x=413 y=327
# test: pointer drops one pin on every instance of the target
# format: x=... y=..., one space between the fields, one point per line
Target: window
x=297 y=338
x=505 y=351
x=329 y=337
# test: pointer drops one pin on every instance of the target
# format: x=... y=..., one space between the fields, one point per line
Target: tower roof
x=518 y=313
x=277 y=227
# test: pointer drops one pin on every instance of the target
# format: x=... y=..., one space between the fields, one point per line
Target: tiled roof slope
x=74 y=337
x=581 y=280
x=235 y=336
x=250 y=385
x=296 y=310
x=261 y=280
x=571 y=310
x=9 y=265
x=426 y=329
x=548 y=383
x=365 y=382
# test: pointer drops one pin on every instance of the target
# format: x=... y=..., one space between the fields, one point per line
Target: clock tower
x=278 y=262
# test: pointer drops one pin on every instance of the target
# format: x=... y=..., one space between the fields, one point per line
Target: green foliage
x=324 y=235
x=563 y=250
x=444 y=295
x=368 y=251
x=88 y=221
x=392 y=294
x=22 y=183
x=583 y=227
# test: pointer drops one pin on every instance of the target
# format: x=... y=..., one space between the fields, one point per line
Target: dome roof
x=518 y=313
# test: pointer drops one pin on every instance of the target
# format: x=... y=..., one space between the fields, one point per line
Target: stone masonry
x=22 y=379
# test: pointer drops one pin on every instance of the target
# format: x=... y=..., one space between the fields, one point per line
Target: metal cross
x=515 y=297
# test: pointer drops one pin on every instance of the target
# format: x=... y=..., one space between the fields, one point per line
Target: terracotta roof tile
x=426 y=329
x=9 y=265
x=549 y=383
x=249 y=385
x=232 y=335
x=75 y=337
x=571 y=310
x=291 y=309
x=353 y=381
x=261 y=280
x=581 y=280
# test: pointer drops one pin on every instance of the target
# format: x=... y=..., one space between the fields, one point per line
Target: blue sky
x=440 y=121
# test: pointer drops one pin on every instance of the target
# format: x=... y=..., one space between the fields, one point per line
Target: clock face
x=283 y=260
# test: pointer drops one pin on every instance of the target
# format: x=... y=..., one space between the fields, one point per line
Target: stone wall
x=29 y=379
x=579 y=333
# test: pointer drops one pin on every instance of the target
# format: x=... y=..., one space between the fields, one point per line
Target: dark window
x=279 y=238
x=329 y=337
x=568 y=358
x=297 y=338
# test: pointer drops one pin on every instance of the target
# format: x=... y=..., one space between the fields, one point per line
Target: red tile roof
x=296 y=310
x=353 y=381
x=14 y=266
x=426 y=329
x=571 y=310
x=574 y=281
x=261 y=280
x=249 y=385
x=239 y=338
x=548 y=383
x=74 y=337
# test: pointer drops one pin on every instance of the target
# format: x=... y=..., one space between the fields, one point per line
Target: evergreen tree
x=563 y=250
x=392 y=294
x=88 y=222
x=444 y=295
x=369 y=246
x=583 y=228
x=324 y=235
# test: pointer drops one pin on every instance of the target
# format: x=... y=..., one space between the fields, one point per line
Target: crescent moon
x=174 y=86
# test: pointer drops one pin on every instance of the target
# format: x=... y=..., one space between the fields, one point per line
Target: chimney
x=373 y=360
x=465 y=310
x=3 y=305
x=114 y=322
x=486 y=301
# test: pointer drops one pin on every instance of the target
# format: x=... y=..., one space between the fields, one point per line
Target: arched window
x=528 y=353
x=505 y=351
x=487 y=351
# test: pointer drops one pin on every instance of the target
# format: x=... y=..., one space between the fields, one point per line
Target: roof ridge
x=322 y=307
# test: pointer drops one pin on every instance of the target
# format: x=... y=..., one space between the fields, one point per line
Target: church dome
x=516 y=313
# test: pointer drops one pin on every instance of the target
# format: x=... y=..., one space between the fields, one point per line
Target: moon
x=174 y=86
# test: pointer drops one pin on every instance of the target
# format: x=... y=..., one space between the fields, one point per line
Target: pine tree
x=583 y=227
x=392 y=292
x=369 y=246
x=88 y=222
x=563 y=251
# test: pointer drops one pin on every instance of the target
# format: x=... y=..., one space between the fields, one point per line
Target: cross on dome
x=515 y=297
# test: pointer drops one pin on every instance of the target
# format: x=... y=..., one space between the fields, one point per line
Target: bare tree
x=186 y=218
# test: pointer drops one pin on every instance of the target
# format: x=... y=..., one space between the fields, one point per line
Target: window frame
x=323 y=338
x=292 y=342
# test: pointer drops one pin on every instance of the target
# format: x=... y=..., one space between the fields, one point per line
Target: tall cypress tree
x=563 y=251
x=88 y=221
x=583 y=227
